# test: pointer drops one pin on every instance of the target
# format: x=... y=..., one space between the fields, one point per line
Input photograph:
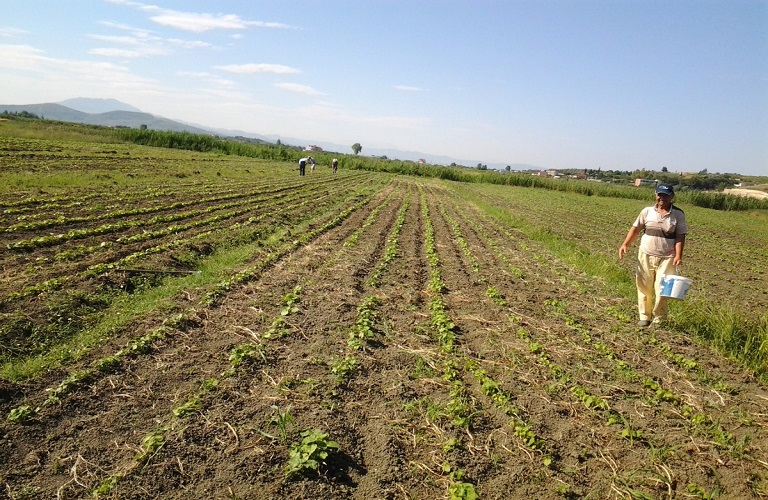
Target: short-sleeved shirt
x=303 y=161
x=660 y=231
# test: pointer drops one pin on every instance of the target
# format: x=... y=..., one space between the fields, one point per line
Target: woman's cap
x=665 y=189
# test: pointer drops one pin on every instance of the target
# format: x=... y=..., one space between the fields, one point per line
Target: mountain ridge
x=114 y=113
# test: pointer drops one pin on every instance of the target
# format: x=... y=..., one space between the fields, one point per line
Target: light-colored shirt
x=660 y=231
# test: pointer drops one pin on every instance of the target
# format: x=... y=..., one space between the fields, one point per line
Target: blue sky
x=556 y=84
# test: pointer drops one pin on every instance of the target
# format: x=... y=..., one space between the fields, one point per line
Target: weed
x=632 y=434
x=421 y=369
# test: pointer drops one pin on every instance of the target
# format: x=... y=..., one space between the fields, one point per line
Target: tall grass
x=729 y=331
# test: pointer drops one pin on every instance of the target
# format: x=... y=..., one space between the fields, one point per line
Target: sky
x=609 y=84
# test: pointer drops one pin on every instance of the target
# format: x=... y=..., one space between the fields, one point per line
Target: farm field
x=179 y=324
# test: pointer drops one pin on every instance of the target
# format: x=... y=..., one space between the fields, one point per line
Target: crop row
x=655 y=392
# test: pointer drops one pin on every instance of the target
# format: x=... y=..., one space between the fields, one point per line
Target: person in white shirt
x=303 y=165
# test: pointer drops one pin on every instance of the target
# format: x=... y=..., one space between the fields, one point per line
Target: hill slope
x=132 y=119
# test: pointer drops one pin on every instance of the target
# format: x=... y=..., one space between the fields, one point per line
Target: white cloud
x=298 y=88
x=119 y=40
x=11 y=32
x=210 y=78
x=197 y=22
x=407 y=88
x=251 y=69
x=188 y=44
x=143 y=43
x=31 y=69
x=130 y=54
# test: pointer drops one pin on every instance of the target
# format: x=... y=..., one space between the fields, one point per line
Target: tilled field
x=395 y=341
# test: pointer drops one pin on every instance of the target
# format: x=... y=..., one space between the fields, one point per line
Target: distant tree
x=356 y=147
x=509 y=168
x=480 y=166
x=703 y=172
x=279 y=143
x=143 y=127
x=664 y=169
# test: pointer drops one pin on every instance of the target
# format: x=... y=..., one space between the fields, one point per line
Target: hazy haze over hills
x=113 y=113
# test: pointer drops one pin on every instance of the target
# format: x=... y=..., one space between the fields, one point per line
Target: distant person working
x=303 y=164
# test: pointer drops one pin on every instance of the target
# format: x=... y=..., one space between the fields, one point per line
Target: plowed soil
x=617 y=412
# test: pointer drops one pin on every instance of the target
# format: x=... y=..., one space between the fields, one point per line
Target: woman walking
x=661 y=251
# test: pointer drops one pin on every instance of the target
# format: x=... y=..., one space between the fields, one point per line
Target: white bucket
x=675 y=287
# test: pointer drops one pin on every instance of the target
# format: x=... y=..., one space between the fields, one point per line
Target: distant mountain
x=114 y=113
x=132 y=119
x=96 y=106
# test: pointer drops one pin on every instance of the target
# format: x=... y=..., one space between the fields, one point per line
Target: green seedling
x=310 y=453
x=290 y=300
x=364 y=329
x=106 y=487
x=496 y=296
x=151 y=443
x=699 y=492
x=278 y=328
x=244 y=352
x=107 y=364
x=344 y=367
x=21 y=414
x=281 y=419
x=459 y=489
x=187 y=408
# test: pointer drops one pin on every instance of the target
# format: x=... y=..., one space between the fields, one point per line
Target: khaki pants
x=650 y=270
